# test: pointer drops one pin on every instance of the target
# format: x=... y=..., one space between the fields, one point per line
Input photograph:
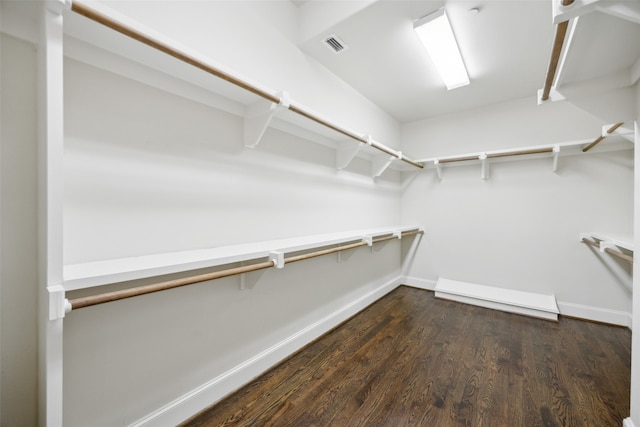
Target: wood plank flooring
x=413 y=360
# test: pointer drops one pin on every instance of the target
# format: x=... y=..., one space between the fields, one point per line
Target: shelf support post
x=50 y=194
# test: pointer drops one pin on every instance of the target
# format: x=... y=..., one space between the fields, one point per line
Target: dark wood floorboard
x=413 y=360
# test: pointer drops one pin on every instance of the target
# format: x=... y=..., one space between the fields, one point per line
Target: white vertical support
x=484 y=173
x=346 y=151
x=556 y=154
x=634 y=417
x=258 y=118
x=50 y=191
x=438 y=166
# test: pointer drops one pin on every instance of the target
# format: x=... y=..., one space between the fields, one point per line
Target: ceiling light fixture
x=437 y=37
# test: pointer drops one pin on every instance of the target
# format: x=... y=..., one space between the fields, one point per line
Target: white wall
x=161 y=173
x=18 y=261
x=519 y=229
x=149 y=172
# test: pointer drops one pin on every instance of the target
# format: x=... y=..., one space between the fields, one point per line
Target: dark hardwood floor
x=413 y=360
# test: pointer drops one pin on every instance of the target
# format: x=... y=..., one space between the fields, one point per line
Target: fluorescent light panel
x=437 y=37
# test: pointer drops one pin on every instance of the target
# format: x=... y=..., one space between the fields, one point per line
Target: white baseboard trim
x=212 y=391
x=416 y=282
x=596 y=314
x=628 y=422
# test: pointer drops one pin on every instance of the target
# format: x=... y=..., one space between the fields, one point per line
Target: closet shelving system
x=114 y=43
x=124 y=47
x=101 y=37
x=614 y=137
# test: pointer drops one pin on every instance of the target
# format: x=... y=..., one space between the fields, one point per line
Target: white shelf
x=609 y=239
x=85 y=275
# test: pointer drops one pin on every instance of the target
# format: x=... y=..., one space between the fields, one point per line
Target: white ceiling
x=506 y=47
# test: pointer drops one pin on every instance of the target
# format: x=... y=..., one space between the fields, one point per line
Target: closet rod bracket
x=59 y=305
x=277 y=258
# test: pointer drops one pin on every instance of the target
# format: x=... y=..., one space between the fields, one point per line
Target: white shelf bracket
x=380 y=163
x=438 y=166
x=554 y=96
x=604 y=244
x=556 y=154
x=397 y=234
x=368 y=240
x=58 y=304
x=259 y=116
x=346 y=151
x=277 y=258
x=484 y=173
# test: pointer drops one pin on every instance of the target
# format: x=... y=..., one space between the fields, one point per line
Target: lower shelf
x=519 y=302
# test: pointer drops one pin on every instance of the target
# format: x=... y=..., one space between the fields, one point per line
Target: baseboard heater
x=519 y=302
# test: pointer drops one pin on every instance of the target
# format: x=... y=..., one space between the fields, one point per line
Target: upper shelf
x=85 y=275
x=199 y=78
x=608 y=240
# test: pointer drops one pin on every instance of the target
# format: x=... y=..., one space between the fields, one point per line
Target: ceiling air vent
x=335 y=44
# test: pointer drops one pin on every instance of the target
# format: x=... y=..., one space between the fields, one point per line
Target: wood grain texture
x=413 y=360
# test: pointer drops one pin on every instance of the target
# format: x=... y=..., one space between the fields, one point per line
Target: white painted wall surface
x=519 y=229
x=18 y=261
x=149 y=172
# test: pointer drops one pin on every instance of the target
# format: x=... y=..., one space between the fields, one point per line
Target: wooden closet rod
x=100 y=18
x=600 y=138
x=610 y=251
x=88 y=301
x=496 y=155
x=521 y=153
x=558 y=42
